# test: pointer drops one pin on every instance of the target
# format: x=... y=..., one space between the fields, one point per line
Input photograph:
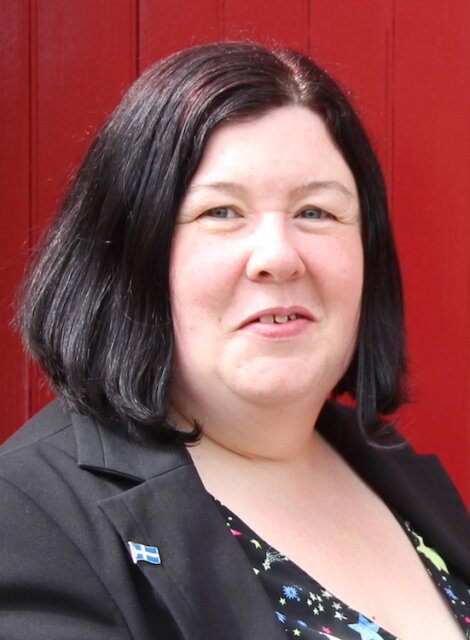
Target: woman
x=222 y=265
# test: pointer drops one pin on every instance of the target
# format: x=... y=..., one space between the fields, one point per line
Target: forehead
x=287 y=146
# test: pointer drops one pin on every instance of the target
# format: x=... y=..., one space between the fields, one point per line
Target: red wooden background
x=64 y=66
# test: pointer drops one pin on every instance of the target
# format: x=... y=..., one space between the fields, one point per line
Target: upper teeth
x=278 y=318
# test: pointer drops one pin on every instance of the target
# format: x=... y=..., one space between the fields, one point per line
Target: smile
x=278 y=315
x=279 y=323
x=277 y=318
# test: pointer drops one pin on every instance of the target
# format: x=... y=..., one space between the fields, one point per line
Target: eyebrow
x=321 y=185
x=301 y=190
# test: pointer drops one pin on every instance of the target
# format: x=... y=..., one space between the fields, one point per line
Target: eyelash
x=323 y=214
x=211 y=213
x=320 y=214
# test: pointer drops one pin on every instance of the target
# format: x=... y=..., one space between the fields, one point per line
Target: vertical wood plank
x=272 y=22
x=84 y=57
x=431 y=194
x=407 y=68
x=353 y=41
x=166 y=26
x=14 y=219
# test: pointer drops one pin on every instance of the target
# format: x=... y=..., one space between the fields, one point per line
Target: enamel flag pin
x=143 y=553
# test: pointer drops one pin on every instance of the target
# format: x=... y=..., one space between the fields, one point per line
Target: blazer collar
x=172 y=495
x=109 y=449
x=205 y=580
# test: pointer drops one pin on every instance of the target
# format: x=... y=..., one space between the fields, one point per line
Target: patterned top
x=306 y=610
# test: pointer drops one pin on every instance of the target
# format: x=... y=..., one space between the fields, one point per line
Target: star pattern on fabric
x=291 y=593
x=320 y=612
x=340 y=616
x=450 y=593
x=430 y=553
x=366 y=628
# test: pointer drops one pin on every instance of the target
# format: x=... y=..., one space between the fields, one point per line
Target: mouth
x=278 y=316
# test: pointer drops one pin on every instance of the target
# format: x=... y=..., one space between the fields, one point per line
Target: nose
x=274 y=256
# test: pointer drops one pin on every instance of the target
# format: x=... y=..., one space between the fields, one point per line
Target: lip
x=278 y=311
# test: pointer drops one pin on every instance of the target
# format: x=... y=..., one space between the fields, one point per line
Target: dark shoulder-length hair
x=95 y=310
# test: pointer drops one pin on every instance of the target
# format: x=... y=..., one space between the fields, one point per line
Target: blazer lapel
x=204 y=579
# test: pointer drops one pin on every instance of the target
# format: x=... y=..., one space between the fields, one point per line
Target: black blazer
x=73 y=493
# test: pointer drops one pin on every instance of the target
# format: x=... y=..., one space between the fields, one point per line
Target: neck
x=276 y=433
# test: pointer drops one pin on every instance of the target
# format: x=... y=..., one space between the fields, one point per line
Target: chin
x=277 y=390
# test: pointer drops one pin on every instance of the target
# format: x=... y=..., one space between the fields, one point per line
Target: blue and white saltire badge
x=144 y=553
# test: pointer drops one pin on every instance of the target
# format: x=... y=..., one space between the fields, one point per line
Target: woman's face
x=266 y=266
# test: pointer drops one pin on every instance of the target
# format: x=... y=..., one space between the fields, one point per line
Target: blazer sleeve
x=48 y=590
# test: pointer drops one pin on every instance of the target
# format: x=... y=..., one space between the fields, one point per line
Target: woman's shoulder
x=51 y=424
x=40 y=474
x=59 y=447
x=39 y=466
x=60 y=555
x=33 y=448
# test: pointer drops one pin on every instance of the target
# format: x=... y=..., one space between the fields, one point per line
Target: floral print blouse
x=308 y=611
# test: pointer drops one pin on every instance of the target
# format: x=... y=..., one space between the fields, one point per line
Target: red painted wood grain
x=83 y=58
x=406 y=65
x=353 y=41
x=15 y=203
x=273 y=22
x=431 y=211
x=165 y=26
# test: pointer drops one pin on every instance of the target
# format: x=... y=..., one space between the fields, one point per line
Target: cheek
x=350 y=286
x=200 y=280
x=340 y=267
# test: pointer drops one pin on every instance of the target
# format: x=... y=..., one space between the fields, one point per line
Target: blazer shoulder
x=43 y=449
x=45 y=425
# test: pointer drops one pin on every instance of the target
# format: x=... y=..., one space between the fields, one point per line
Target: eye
x=314 y=213
x=221 y=212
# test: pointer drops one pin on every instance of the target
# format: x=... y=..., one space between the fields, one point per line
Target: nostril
x=274 y=256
